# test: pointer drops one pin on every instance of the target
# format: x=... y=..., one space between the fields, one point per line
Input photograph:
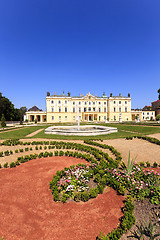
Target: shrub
x=93 y=192
x=61 y=153
x=30 y=149
x=55 y=153
x=142 y=164
x=84 y=196
x=36 y=148
x=77 y=197
x=1 y=154
x=26 y=149
x=56 y=196
x=64 y=197
x=148 y=164
x=21 y=150
x=5 y=165
x=12 y=164
x=155 y=165
x=17 y=163
x=6 y=153
x=0 y=165
x=129 y=138
x=16 y=151
x=3 y=121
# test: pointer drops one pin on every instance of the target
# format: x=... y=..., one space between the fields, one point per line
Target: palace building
x=64 y=108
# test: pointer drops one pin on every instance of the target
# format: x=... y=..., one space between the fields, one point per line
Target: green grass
x=137 y=129
x=119 y=134
x=19 y=133
x=133 y=130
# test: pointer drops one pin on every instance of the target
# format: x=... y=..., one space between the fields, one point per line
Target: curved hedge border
x=149 y=139
x=103 y=161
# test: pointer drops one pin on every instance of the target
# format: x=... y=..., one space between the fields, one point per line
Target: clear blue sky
x=79 y=46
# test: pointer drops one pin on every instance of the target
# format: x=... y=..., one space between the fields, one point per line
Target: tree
x=158 y=117
x=159 y=93
x=11 y=113
x=3 y=121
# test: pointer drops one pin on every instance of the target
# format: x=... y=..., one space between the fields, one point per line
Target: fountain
x=83 y=130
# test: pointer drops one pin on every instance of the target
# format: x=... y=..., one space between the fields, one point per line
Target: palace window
x=125 y=102
x=59 y=118
x=105 y=103
x=114 y=102
x=79 y=109
x=125 y=109
x=65 y=109
x=89 y=103
x=119 y=102
x=99 y=118
x=119 y=109
x=59 y=102
x=52 y=117
x=73 y=117
x=59 y=109
x=93 y=103
x=85 y=103
x=114 y=109
x=52 y=109
x=94 y=109
x=73 y=103
x=114 y=118
x=85 y=109
x=66 y=118
x=73 y=109
x=99 y=110
x=89 y=109
x=104 y=109
x=65 y=102
x=52 y=102
x=79 y=103
x=99 y=102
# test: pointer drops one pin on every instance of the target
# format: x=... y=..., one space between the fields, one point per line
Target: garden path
x=34 y=133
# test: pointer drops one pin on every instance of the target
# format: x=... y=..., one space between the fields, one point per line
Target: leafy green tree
x=159 y=93
x=11 y=113
x=6 y=108
x=158 y=117
x=3 y=121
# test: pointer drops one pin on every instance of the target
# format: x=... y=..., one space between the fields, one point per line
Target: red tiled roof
x=156 y=101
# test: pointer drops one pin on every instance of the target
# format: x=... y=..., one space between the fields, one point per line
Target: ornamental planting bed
x=29 y=212
x=86 y=182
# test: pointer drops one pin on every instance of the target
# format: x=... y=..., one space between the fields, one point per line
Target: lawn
x=123 y=132
x=19 y=133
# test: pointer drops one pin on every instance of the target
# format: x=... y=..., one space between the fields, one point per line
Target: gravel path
x=34 y=133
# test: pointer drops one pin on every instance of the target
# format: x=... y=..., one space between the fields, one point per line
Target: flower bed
x=74 y=183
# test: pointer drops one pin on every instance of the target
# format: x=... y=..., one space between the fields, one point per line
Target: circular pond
x=83 y=130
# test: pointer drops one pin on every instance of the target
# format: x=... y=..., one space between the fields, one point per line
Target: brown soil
x=29 y=212
x=142 y=211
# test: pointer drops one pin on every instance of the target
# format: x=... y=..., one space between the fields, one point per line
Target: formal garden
x=98 y=168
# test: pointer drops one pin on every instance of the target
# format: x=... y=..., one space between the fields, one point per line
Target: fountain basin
x=85 y=130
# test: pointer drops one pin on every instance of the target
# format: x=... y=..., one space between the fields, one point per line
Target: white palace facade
x=64 y=108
